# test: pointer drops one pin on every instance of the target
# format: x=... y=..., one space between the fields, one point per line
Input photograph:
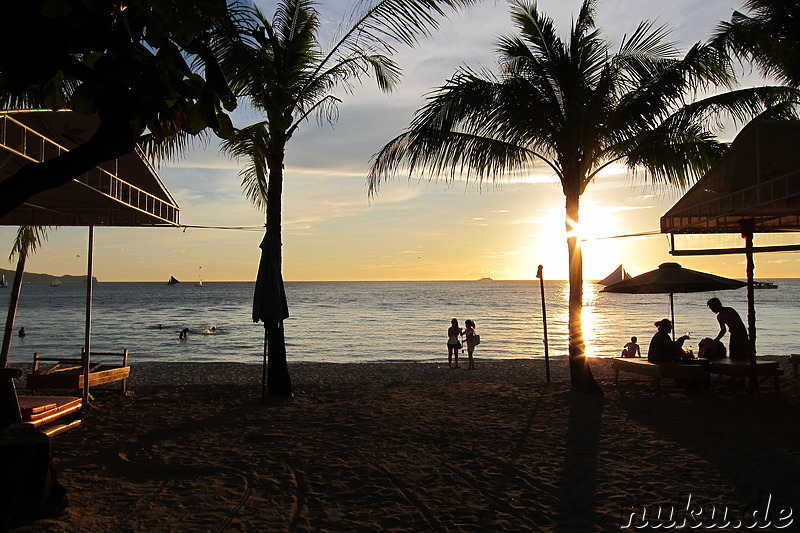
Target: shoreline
x=415 y=447
x=522 y=370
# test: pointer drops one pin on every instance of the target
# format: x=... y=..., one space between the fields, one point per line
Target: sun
x=596 y=224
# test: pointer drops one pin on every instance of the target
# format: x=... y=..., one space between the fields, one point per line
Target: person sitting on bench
x=662 y=348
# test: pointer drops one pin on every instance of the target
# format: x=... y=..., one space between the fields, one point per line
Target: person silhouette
x=453 y=344
x=729 y=320
x=471 y=339
x=632 y=349
x=662 y=348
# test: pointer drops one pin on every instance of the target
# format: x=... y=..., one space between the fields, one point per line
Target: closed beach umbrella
x=269 y=301
x=670 y=278
x=270 y=307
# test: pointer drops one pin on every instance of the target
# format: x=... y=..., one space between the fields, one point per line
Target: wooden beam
x=730 y=251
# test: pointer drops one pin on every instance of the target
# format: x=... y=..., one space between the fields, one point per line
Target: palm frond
x=251 y=145
x=28 y=239
x=768 y=35
x=381 y=24
x=171 y=148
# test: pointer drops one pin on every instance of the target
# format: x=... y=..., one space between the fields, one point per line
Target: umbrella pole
x=672 y=314
x=87 y=336
x=264 y=368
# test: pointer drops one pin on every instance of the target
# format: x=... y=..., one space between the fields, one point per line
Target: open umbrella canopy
x=672 y=278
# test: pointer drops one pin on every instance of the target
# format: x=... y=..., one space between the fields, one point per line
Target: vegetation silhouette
x=280 y=69
x=578 y=106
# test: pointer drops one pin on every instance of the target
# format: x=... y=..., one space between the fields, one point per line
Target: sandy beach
x=421 y=447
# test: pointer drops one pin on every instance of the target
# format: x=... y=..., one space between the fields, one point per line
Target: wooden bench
x=657 y=371
x=795 y=360
x=741 y=369
x=52 y=415
x=66 y=373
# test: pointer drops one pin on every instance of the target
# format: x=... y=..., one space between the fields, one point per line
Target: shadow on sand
x=749 y=443
x=578 y=482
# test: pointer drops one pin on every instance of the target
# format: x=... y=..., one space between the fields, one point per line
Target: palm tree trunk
x=13 y=302
x=279 y=383
x=581 y=377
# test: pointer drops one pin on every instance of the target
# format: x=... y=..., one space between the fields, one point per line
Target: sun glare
x=550 y=238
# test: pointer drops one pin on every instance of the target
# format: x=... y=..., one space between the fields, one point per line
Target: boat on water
x=764 y=285
x=199 y=282
x=172 y=281
x=55 y=282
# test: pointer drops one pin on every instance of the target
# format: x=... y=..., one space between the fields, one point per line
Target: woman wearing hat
x=662 y=348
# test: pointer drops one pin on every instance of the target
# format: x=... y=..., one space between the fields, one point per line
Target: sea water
x=353 y=321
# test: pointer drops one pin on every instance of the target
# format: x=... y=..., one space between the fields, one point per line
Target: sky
x=412 y=230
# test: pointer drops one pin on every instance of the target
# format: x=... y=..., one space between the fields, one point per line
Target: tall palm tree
x=578 y=107
x=28 y=239
x=279 y=67
x=768 y=35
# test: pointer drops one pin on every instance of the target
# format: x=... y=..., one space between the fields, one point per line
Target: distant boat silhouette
x=55 y=282
x=199 y=282
x=172 y=281
x=484 y=279
x=3 y=283
x=764 y=285
x=618 y=275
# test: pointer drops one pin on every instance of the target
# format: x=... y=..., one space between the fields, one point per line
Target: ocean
x=353 y=321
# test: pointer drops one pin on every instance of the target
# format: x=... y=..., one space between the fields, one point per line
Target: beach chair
x=52 y=415
x=78 y=374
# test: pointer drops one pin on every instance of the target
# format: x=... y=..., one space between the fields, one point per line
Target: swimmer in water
x=184 y=333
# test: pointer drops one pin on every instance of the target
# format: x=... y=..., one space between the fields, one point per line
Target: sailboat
x=199 y=282
x=3 y=283
x=615 y=277
x=172 y=281
x=55 y=282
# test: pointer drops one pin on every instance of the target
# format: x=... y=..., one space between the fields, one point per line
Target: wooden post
x=748 y=228
x=544 y=320
x=86 y=358
x=124 y=364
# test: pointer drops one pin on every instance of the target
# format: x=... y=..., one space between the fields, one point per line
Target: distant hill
x=32 y=277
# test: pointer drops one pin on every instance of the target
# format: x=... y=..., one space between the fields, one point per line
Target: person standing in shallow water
x=453 y=344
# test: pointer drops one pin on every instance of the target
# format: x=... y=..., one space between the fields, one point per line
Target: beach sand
x=419 y=447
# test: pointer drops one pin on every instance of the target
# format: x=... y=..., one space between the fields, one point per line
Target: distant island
x=32 y=277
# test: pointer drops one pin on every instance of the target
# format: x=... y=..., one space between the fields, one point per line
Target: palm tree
x=28 y=239
x=577 y=107
x=279 y=67
x=769 y=36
